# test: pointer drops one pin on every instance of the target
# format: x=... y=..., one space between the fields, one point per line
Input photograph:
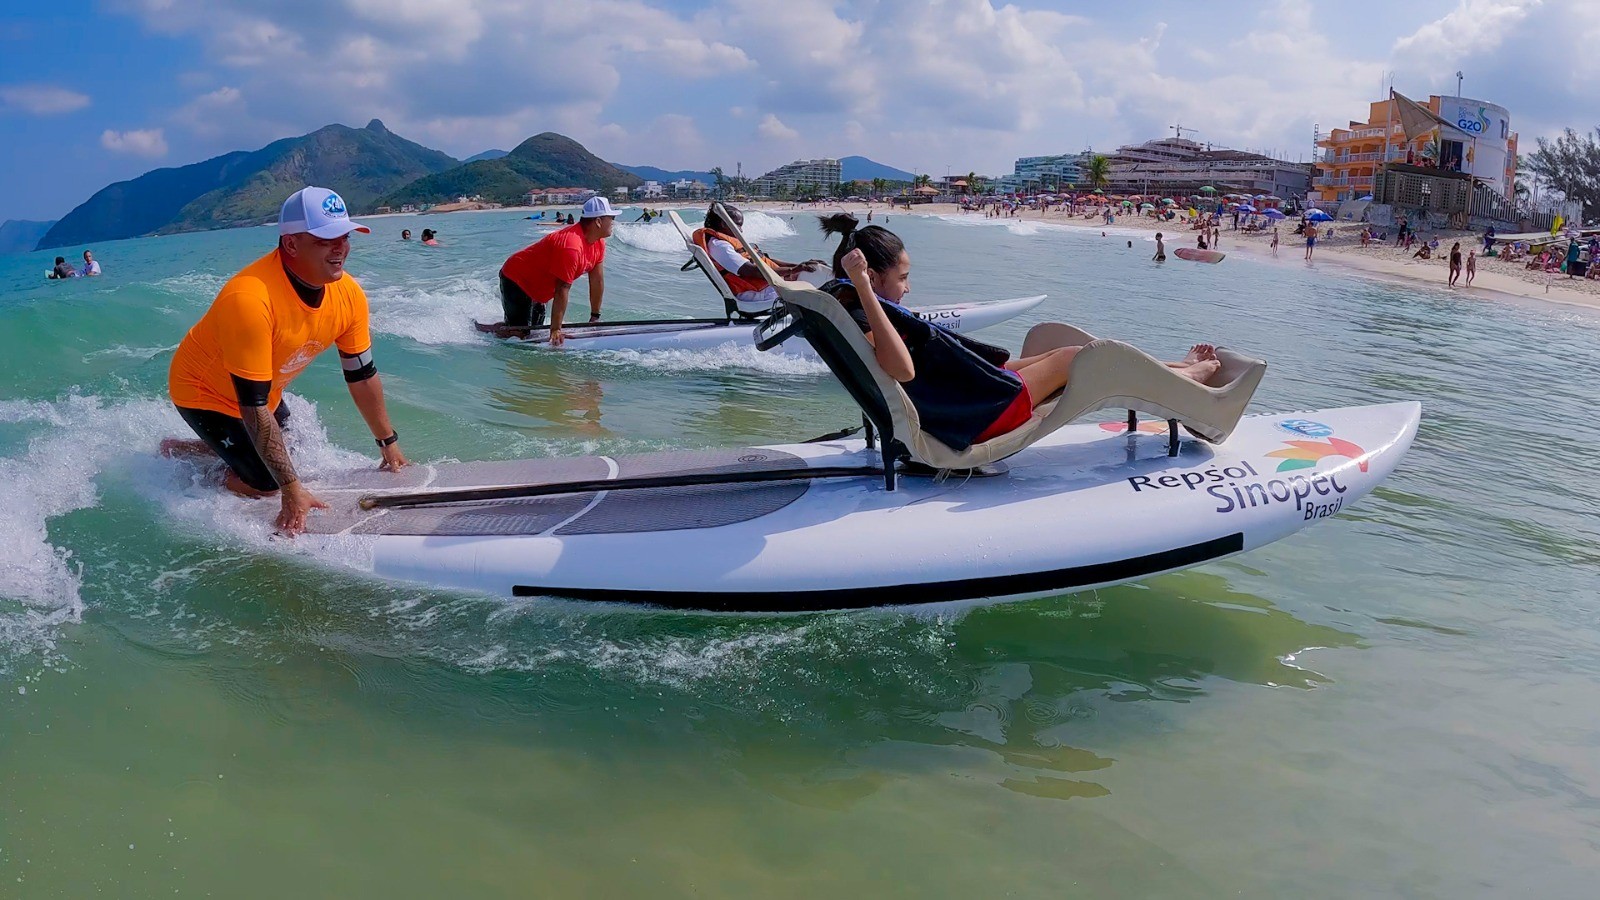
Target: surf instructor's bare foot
x=179 y=448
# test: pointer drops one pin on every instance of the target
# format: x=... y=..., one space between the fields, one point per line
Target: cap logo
x=333 y=206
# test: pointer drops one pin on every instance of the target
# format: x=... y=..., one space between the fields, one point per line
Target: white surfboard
x=707 y=334
x=1086 y=507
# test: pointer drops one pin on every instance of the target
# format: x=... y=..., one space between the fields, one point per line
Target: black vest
x=960 y=388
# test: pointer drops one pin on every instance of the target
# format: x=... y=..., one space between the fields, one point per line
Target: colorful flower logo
x=1305 y=454
x=1148 y=426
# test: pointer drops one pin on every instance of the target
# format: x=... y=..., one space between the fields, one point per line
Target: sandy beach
x=1341 y=247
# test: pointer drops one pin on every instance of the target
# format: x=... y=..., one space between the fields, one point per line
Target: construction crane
x=1181 y=129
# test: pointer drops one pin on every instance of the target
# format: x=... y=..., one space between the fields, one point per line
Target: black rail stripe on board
x=907 y=594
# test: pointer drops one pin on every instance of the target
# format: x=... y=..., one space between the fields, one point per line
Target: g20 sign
x=1473 y=123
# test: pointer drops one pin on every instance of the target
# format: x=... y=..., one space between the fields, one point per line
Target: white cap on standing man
x=596 y=208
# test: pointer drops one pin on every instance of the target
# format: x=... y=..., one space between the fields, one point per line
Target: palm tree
x=1098 y=171
x=879 y=185
x=717 y=174
x=972 y=181
x=923 y=179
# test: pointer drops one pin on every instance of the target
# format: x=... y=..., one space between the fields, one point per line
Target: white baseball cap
x=318 y=212
x=597 y=207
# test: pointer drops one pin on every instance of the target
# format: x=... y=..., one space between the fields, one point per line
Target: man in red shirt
x=543 y=273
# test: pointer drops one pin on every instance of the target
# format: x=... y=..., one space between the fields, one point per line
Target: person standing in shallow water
x=1455 y=263
x=1472 y=265
x=1161 y=249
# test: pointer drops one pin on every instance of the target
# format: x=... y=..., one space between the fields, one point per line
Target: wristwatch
x=392 y=438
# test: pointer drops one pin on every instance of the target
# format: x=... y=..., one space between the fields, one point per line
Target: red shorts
x=1015 y=416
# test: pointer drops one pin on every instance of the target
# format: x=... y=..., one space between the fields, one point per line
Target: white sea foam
x=196 y=285
x=440 y=312
x=122 y=350
x=661 y=237
x=657 y=237
x=54 y=474
x=731 y=355
x=80 y=438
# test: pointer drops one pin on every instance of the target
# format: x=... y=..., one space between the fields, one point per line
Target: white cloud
x=149 y=142
x=41 y=99
x=773 y=129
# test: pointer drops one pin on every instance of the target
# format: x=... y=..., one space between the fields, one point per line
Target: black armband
x=358 y=367
x=250 y=392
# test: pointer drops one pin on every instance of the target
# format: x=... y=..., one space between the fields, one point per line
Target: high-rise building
x=1178 y=167
x=819 y=173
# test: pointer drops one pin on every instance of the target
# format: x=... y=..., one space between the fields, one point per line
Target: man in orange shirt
x=266 y=325
x=542 y=273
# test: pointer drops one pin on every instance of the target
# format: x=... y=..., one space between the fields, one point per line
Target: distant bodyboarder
x=266 y=325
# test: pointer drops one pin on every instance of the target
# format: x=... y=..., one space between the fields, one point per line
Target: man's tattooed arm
x=268 y=438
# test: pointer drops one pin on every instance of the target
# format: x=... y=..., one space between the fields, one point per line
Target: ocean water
x=1398 y=702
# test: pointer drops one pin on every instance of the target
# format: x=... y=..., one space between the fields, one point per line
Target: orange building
x=1482 y=145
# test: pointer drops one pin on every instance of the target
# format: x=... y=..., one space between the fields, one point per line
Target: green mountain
x=247 y=187
x=19 y=235
x=544 y=160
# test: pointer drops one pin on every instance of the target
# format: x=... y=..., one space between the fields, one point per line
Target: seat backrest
x=703 y=259
x=843 y=349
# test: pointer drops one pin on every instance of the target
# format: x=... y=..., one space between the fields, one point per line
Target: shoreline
x=1494 y=280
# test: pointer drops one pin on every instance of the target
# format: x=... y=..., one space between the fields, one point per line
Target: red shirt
x=556 y=259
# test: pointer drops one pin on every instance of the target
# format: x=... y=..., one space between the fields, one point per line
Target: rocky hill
x=20 y=235
x=544 y=160
x=246 y=187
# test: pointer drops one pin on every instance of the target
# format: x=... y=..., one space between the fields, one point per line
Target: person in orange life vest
x=542 y=273
x=265 y=326
x=751 y=292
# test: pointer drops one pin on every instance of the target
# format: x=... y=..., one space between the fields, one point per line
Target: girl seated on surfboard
x=965 y=391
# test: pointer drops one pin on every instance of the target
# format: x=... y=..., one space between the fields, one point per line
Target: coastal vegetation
x=246 y=187
x=1570 y=164
x=545 y=160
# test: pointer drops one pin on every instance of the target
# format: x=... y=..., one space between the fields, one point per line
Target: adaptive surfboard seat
x=1105 y=374
x=699 y=258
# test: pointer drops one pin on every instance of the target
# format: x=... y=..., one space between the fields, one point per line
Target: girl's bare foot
x=1199 y=352
x=1202 y=371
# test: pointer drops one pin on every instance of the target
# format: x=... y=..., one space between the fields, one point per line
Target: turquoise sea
x=1399 y=702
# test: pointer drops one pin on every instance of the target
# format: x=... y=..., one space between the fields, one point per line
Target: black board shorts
x=227 y=437
x=520 y=309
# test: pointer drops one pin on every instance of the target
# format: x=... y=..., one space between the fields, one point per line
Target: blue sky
x=95 y=91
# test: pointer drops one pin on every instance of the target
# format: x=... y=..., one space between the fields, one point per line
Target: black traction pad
x=620 y=512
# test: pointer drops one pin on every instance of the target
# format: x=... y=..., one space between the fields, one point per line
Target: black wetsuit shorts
x=227 y=436
x=520 y=309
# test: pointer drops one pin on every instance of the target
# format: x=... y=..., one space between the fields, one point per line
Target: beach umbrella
x=1169 y=202
x=1147 y=206
x=1367 y=197
x=1208 y=189
x=1246 y=208
x=1127 y=203
x=1317 y=215
x=1098 y=191
x=1274 y=214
